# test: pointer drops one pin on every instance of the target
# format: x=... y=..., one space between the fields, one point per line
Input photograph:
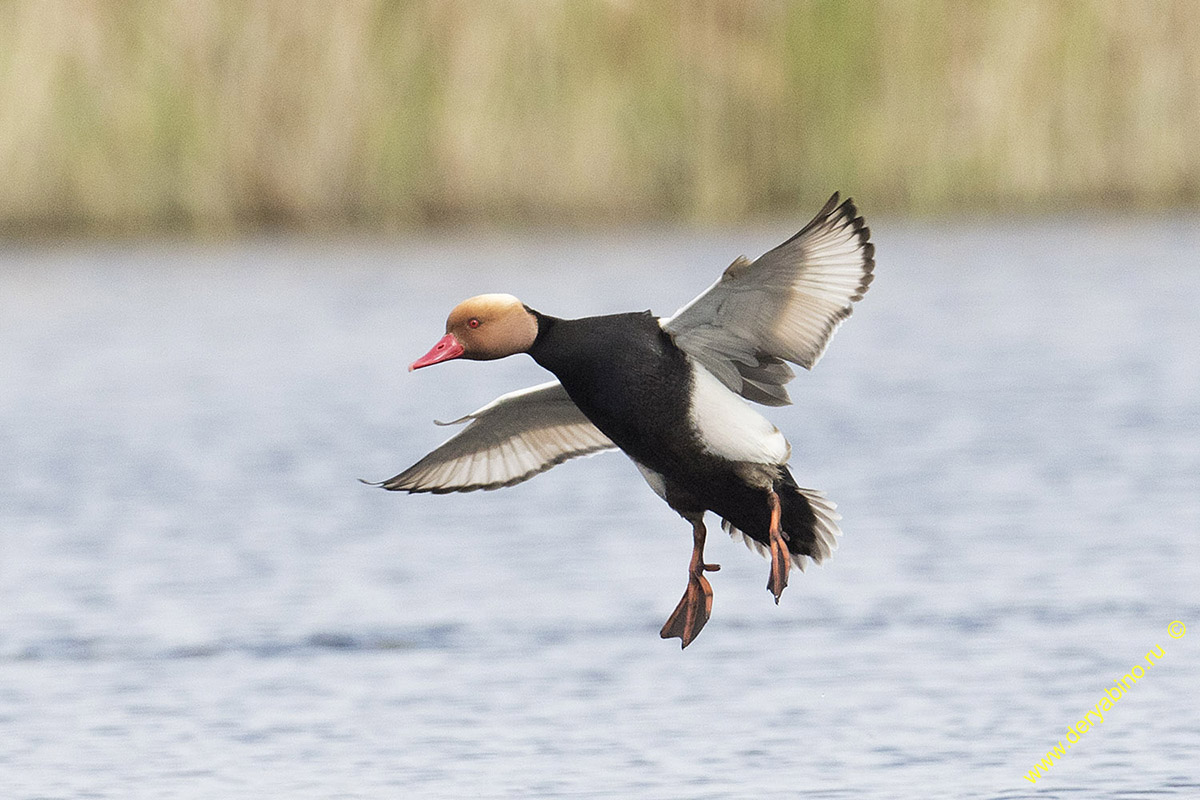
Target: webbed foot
x=693 y=611
x=781 y=558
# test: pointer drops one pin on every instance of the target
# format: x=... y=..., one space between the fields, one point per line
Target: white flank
x=654 y=479
x=729 y=427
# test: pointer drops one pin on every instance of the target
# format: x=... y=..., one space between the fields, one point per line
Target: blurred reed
x=198 y=114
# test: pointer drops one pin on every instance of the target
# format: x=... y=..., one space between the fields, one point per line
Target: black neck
x=545 y=323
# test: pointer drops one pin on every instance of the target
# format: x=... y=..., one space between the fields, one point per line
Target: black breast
x=629 y=378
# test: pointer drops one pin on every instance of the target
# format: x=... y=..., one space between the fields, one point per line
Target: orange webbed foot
x=693 y=611
x=781 y=558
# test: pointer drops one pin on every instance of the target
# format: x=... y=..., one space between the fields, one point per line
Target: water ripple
x=430 y=638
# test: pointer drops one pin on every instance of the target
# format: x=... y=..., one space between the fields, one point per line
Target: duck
x=674 y=394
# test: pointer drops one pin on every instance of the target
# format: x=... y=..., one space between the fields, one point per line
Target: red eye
x=473 y=323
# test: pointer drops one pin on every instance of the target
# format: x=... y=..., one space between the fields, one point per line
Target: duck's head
x=482 y=328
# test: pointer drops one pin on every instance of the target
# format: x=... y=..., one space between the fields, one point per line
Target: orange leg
x=694 y=609
x=781 y=559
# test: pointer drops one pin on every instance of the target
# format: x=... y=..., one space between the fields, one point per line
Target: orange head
x=482 y=328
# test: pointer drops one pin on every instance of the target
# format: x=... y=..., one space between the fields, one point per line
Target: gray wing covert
x=783 y=306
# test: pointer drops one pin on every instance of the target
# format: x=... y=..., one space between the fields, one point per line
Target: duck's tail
x=808 y=519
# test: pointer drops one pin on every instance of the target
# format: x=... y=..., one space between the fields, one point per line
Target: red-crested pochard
x=671 y=393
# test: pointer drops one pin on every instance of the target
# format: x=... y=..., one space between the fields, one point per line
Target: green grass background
x=200 y=115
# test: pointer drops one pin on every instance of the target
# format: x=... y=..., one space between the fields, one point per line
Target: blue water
x=198 y=599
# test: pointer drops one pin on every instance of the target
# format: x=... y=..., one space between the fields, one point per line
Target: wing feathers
x=784 y=306
x=507 y=441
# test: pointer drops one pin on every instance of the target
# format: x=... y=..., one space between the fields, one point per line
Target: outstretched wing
x=509 y=440
x=783 y=306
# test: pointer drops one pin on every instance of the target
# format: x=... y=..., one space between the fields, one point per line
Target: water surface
x=198 y=599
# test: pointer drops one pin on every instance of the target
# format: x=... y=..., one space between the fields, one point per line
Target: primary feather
x=783 y=306
x=511 y=439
